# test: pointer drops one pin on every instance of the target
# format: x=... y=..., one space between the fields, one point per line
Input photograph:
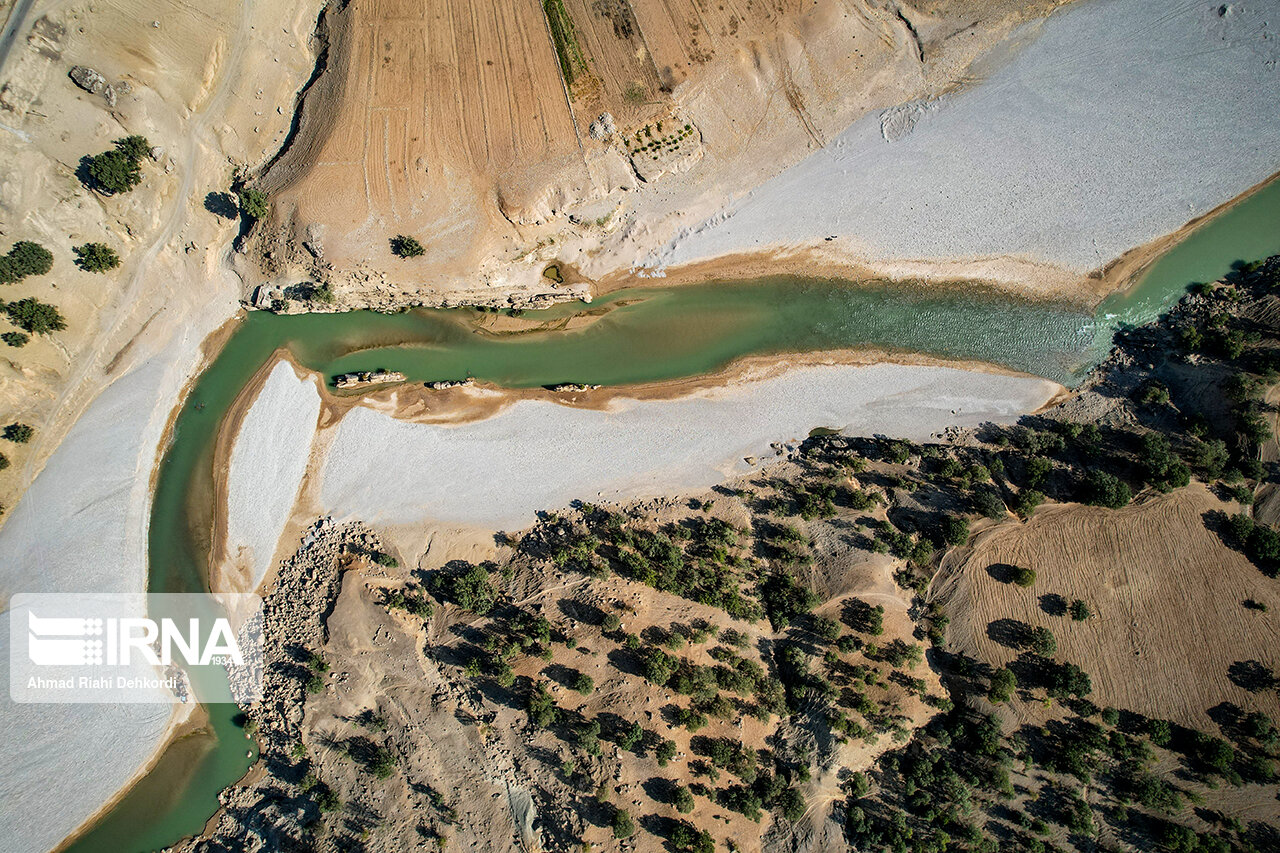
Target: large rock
x=88 y=79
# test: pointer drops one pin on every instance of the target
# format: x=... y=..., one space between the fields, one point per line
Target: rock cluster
x=95 y=83
x=603 y=127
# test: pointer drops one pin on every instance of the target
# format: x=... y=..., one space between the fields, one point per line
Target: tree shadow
x=1053 y=604
x=1009 y=633
x=1003 y=572
x=1251 y=675
x=222 y=205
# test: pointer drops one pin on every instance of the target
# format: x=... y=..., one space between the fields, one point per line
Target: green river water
x=643 y=335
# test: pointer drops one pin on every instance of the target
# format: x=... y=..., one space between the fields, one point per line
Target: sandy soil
x=1062 y=156
x=451 y=121
x=203 y=85
x=268 y=461
x=535 y=454
x=1165 y=591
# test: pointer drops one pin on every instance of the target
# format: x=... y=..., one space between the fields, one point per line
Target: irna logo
x=91 y=641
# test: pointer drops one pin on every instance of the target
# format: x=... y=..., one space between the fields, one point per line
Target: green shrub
x=96 y=257
x=32 y=315
x=15 y=339
x=19 y=433
x=253 y=203
x=623 y=825
x=404 y=246
x=1104 y=489
x=4 y=462
x=115 y=171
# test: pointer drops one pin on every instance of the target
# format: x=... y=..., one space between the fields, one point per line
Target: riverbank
x=498 y=471
x=1053 y=158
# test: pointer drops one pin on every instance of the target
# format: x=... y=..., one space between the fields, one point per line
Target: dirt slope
x=1169 y=627
x=468 y=125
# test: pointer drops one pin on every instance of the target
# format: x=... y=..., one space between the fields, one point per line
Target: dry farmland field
x=1170 y=635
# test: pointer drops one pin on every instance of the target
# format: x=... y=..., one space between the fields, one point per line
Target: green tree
x=683 y=799
x=791 y=804
x=253 y=203
x=986 y=500
x=1043 y=642
x=1080 y=611
x=623 y=825
x=631 y=738
x=1003 y=684
x=19 y=433
x=24 y=259
x=1027 y=501
x=115 y=172
x=665 y=751
x=32 y=315
x=955 y=530
x=135 y=147
x=1104 y=489
x=1023 y=576
x=15 y=339
x=583 y=683
x=383 y=762
x=96 y=257
x=404 y=246
x=541 y=706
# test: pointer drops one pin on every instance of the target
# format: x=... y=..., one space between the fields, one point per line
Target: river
x=641 y=335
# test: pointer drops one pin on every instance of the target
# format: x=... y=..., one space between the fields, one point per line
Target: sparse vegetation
x=404 y=246
x=573 y=62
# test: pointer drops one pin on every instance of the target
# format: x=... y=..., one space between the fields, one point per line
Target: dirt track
x=1165 y=591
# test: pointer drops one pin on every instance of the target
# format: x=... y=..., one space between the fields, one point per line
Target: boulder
x=88 y=79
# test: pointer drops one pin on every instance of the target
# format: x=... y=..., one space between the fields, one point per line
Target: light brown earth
x=1166 y=593
x=450 y=121
x=205 y=81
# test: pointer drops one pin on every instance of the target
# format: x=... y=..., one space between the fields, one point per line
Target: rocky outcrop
x=95 y=83
x=367 y=377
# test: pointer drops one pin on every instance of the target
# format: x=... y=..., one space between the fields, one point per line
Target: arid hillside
x=201 y=84
x=1057 y=635
x=1170 y=633
x=494 y=134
